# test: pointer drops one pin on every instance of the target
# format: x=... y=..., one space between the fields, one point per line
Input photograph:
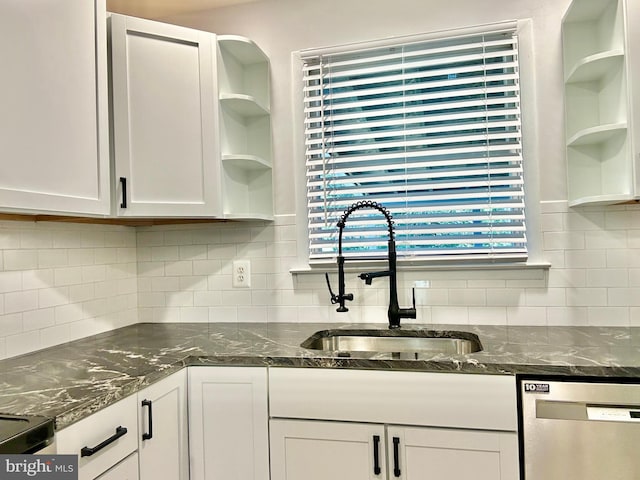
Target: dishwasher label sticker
x=536 y=387
x=50 y=467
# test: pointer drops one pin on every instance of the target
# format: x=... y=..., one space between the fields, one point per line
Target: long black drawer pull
x=149 y=434
x=88 y=451
x=123 y=181
x=396 y=461
x=376 y=455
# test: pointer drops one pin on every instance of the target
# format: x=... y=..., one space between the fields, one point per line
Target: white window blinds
x=430 y=130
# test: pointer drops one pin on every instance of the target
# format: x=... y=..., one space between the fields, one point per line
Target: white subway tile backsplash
x=194 y=314
x=20 y=301
x=541 y=297
x=629 y=297
x=179 y=268
x=164 y=254
x=526 y=315
x=567 y=316
x=585 y=258
x=611 y=277
x=613 y=316
x=63 y=281
x=67 y=276
x=488 y=316
x=586 y=297
x=21 y=343
x=20 y=260
x=606 y=239
x=54 y=282
x=38 y=319
x=10 y=281
x=11 y=324
x=94 y=273
x=49 y=258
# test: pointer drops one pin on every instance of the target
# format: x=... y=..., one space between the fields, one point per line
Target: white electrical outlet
x=241 y=274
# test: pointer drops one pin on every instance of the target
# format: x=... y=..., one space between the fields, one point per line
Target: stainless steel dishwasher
x=579 y=430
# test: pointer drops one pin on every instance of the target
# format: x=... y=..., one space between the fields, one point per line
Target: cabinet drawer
x=127 y=469
x=455 y=400
x=97 y=429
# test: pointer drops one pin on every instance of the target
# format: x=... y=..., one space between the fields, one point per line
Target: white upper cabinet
x=599 y=66
x=164 y=120
x=245 y=129
x=54 y=141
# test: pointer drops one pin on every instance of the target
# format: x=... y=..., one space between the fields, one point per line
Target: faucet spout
x=395 y=312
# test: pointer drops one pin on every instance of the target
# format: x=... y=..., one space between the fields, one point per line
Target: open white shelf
x=247 y=162
x=596 y=66
x=598 y=113
x=596 y=135
x=245 y=129
x=245 y=105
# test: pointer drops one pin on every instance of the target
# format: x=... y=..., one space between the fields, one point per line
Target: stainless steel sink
x=394 y=341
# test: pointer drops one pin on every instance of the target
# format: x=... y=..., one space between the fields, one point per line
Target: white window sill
x=356 y=266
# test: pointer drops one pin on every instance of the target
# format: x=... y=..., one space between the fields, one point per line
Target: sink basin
x=394 y=341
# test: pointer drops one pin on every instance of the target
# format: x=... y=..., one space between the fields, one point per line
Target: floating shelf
x=247 y=162
x=596 y=66
x=245 y=50
x=245 y=105
x=601 y=200
x=596 y=135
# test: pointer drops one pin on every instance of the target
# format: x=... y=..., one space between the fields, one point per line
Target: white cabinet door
x=228 y=423
x=54 y=139
x=127 y=469
x=163 y=433
x=311 y=450
x=164 y=120
x=451 y=454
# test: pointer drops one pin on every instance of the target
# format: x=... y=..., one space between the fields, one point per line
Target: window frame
x=530 y=140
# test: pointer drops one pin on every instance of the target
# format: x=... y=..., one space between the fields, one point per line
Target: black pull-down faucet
x=395 y=313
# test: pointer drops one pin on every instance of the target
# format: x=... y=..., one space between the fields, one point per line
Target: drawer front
x=104 y=427
x=456 y=400
x=127 y=469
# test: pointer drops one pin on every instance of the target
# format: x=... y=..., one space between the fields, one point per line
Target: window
x=430 y=129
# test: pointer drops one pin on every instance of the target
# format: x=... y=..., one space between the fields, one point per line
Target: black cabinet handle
x=149 y=434
x=376 y=455
x=396 y=461
x=88 y=451
x=123 y=181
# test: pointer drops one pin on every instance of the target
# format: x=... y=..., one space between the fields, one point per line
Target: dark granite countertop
x=70 y=381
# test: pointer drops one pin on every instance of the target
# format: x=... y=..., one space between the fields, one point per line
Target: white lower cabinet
x=163 y=441
x=316 y=450
x=228 y=423
x=391 y=425
x=130 y=440
x=451 y=454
